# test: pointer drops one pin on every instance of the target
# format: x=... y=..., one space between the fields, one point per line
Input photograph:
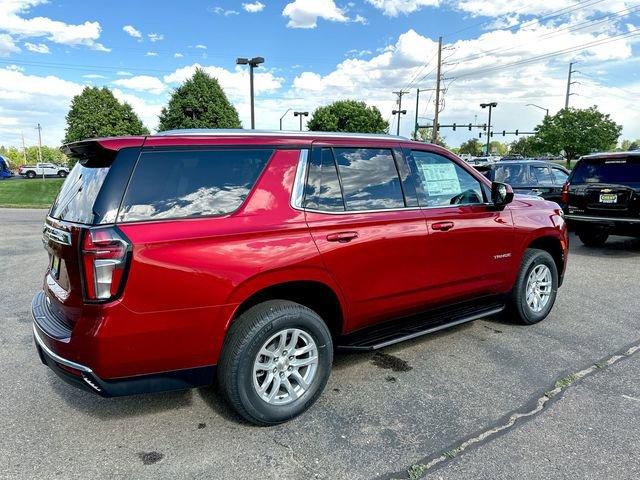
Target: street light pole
x=253 y=63
x=491 y=106
x=282 y=117
x=300 y=114
x=538 y=106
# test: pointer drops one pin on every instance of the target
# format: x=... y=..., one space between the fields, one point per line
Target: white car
x=43 y=169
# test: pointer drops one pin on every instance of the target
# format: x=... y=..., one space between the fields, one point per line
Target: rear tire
x=534 y=293
x=262 y=380
x=62 y=174
x=31 y=174
x=593 y=238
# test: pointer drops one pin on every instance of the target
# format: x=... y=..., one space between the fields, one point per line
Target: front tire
x=62 y=174
x=31 y=174
x=534 y=293
x=275 y=361
x=593 y=238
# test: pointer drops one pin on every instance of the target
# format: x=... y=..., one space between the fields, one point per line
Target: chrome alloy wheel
x=539 y=285
x=285 y=366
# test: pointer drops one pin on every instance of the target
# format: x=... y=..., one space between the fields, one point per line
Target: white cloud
x=394 y=7
x=147 y=111
x=143 y=83
x=7 y=45
x=178 y=55
x=93 y=76
x=123 y=73
x=254 y=7
x=235 y=83
x=155 y=37
x=15 y=68
x=132 y=31
x=360 y=19
x=151 y=54
x=37 y=47
x=305 y=13
x=224 y=12
x=13 y=22
x=200 y=46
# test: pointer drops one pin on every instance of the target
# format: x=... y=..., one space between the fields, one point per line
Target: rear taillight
x=564 y=196
x=105 y=253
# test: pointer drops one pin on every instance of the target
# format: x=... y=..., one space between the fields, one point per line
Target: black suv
x=602 y=197
x=529 y=177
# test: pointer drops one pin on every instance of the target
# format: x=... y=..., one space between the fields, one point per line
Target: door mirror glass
x=501 y=194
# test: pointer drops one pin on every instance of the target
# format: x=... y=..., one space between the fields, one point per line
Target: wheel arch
x=552 y=245
x=321 y=296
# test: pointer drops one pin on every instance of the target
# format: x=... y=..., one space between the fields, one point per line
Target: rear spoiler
x=99 y=152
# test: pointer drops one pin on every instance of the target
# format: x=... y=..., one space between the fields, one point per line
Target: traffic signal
x=504 y=132
x=480 y=135
x=516 y=132
x=454 y=127
x=469 y=127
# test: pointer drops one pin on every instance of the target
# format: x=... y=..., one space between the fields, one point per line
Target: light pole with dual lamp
x=253 y=63
x=300 y=114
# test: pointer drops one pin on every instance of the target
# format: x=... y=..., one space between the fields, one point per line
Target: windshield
x=613 y=170
x=78 y=195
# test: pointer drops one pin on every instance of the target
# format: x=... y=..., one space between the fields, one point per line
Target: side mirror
x=501 y=194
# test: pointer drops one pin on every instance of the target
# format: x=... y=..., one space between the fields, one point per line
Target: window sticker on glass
x=440 y=178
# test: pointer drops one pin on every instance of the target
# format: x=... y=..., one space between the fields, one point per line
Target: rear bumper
x=620 y=225
x=83 y=376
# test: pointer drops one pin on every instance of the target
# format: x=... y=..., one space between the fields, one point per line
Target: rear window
x=618 y=170
x=78 y=194
x=191 y=183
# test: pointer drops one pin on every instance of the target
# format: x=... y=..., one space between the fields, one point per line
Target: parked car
x=479 y=161
x=43 y=169
x=186 y=256
x=529 y=177
x=602 y=197
x=514 y=156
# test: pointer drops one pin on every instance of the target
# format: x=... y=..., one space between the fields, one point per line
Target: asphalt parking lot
x=485 y=400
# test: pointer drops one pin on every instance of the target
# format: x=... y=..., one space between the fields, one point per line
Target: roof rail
x=211 y=132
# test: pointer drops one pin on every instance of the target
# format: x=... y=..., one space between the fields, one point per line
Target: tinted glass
x=323 y=187
x=369 y=179
x=559 y=176
x=619 y=170
x=444 y=182
x=191 y=183
x=514 y=175
x=78 y=194
x=542 y=175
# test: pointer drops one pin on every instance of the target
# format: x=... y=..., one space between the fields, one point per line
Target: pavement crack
x=424 y=467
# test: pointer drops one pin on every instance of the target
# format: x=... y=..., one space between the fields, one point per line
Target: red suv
x=249 y=257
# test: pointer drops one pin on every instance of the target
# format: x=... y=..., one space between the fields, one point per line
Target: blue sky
x=317 y=51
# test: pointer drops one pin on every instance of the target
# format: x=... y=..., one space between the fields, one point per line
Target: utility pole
x=39 y=128
x=399 y=111
x=24 y=149
x=434 y=132
x=569 y=83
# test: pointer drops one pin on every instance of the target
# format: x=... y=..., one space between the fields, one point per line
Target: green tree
x=628 y=145
x=424 y=135
x=496 y=146
x=49 y=154
x=348 y=116
x=577 y=132
x=199 y=102
x=97 y=113
x=525 y=146
x=471 y=147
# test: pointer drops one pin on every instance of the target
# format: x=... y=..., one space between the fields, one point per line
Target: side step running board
x=374 y=338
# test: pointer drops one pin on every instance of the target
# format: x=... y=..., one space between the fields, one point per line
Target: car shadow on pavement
x=119 y=407
x=615 y=247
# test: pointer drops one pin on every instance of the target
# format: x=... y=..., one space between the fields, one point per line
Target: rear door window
x=559 y=176
x=191 y=183
x=370 y=179
x=618 y=170
x=542 y=176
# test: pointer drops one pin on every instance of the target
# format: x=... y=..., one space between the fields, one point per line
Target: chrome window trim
x=297 y=192
x=57 y=358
